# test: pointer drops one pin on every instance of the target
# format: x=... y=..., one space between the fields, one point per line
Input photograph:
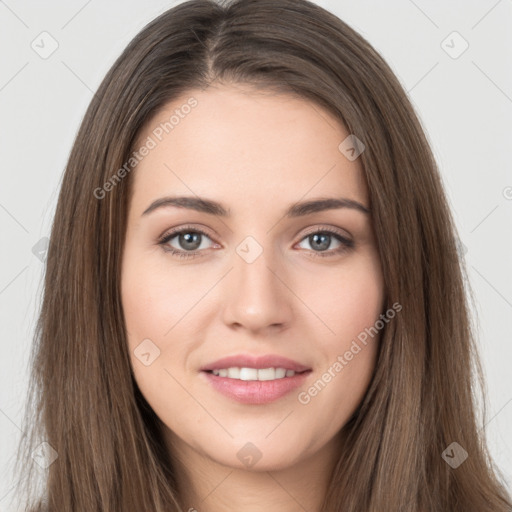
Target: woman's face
x=258 y=285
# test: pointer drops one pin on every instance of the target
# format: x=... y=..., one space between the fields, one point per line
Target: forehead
x=240 y=144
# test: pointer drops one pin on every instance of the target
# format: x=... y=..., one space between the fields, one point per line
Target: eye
x=322 y=239
x=189 y=241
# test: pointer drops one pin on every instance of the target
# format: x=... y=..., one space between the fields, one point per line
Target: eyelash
x=346 y=243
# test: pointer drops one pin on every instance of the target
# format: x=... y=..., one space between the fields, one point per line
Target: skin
x=257 y=153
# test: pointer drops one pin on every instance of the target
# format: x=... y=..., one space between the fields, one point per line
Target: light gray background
x=464 y=103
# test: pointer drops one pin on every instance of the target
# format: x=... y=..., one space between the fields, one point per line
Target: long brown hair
x=84 y=402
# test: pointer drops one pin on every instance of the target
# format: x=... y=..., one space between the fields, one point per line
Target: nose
x=258 y=298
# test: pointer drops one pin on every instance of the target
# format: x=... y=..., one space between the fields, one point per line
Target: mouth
x=255 y=379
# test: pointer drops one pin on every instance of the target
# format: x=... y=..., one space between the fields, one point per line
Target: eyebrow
x=295 y=210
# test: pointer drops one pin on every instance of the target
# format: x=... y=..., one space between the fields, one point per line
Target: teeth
x=254 y=373
x=281 y=372
x=233 y=373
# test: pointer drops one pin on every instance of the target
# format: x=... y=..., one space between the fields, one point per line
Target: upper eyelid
x=328 y=229
x=186 y=228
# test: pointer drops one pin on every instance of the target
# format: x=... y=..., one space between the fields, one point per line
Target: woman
x=253 y=296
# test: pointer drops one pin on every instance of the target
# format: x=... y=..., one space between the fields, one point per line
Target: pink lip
x=249 y=361
x=254 y=391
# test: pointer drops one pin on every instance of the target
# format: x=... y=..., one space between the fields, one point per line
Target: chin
x=256 y=456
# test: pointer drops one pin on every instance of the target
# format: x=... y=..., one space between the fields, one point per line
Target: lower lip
x=256 y=391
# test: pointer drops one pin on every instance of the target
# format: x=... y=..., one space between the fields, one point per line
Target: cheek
x=151 y=301
x=144 y=308
x=151 y=309
x=351 y=303
x=162 y=309
x=348 y=300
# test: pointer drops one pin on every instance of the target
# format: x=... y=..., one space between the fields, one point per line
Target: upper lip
x=250 y=361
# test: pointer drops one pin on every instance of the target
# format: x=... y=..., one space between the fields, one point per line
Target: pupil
x=190 y=240
x=322 y=245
